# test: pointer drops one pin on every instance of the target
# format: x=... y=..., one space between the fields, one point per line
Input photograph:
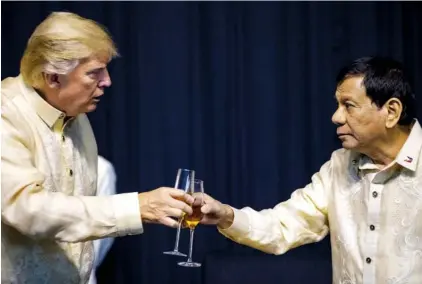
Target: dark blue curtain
x=242 y=92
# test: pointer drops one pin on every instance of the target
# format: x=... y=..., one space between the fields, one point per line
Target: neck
x=386 y=151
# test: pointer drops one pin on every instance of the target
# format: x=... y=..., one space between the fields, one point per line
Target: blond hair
x=60 y=42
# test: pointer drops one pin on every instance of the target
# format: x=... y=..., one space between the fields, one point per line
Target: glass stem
x=191 y=245
x=176 y=244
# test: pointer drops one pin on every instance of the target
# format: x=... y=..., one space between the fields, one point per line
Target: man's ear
x=52 y=80
x=394 y=109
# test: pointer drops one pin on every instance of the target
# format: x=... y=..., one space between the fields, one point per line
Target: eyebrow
x=345 y=98
x=96 y=69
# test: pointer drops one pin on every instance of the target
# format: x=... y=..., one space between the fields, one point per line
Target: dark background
x=242 y=92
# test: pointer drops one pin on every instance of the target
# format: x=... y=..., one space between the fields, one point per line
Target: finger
x=181 y=195
x=198 y=199
x=169 y=222
x=176 y=204
x=174 y=212
x=188 y=199
x=197 y=202
x=175 y=193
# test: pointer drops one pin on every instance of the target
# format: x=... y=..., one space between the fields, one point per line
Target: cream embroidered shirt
x=49 y=210
x=374 y=217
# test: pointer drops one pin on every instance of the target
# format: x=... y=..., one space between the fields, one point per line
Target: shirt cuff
x=127 y=214
x=240 y=226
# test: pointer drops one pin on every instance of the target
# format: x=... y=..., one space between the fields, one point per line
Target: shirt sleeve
x=42 y=212
x=300 y=220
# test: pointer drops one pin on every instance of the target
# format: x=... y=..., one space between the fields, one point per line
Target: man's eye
x=94 y=73
x=347 y=105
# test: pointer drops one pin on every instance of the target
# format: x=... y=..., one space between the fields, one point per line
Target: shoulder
x=10 y=90
x=14 y=120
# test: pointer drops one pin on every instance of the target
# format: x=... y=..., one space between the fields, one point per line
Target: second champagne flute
x=191 y=221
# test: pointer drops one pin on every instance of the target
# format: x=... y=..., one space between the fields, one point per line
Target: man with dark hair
x=368 y=195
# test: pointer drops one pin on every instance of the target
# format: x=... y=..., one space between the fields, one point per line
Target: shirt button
x=375 y=194
x=62 y=115
x=63 y=138
x=70 y=172
x=372 y=227
x=368 y=260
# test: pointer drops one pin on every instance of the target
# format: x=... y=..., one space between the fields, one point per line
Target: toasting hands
x=160 y=205
x=216 y=213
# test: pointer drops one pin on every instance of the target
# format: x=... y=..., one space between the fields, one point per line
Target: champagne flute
x=191 y=221
x=184 y=180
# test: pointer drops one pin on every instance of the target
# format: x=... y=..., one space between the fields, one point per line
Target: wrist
x=143 y=205
x=228 y=216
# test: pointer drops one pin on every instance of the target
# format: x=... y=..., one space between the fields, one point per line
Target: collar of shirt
x=49 y=114
x=408 y=156
x=410 y=152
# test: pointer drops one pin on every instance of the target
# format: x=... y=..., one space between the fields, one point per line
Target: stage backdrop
x=242 y=92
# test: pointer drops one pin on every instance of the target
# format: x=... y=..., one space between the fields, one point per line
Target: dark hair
x=383 y=78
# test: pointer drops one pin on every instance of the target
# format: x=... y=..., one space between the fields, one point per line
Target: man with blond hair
x=50 y=213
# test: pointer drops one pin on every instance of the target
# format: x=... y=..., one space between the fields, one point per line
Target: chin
x=348 y=144
x=91 y=108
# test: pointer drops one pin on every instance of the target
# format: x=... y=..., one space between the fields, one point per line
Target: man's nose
x=105 y=80
x=339 y=117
